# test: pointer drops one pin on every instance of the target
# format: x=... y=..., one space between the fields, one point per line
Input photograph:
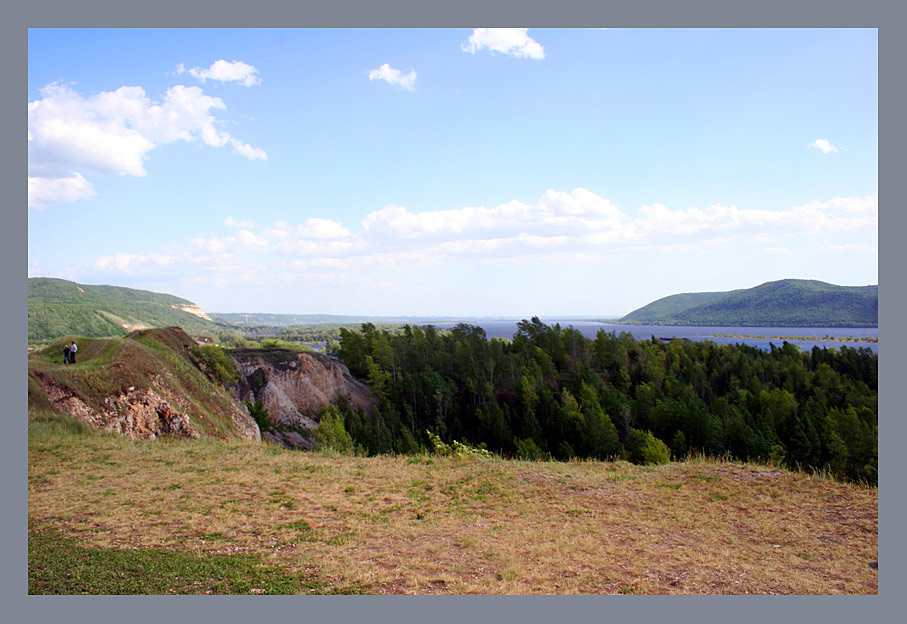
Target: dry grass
x=428 y=525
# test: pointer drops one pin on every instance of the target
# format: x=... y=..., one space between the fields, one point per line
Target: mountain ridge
x=57 y=307
x=781 y=303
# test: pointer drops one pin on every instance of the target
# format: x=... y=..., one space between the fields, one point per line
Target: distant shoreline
x=825 y=338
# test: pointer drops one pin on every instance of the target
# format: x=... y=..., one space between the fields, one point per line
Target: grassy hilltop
x=784 y=303
x=57 y=307
x=163 y=360
x=113 y=515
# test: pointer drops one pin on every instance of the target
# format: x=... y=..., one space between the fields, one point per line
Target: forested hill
x=59 y=307
x=784 y=303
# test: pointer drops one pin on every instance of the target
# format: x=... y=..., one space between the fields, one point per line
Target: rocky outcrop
x=292 y=387
x=191 y=308
x=139 y=413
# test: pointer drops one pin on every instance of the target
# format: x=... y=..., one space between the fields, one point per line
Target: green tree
x=331 y=434
x=645 y=448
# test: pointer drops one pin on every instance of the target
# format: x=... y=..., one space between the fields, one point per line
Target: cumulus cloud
x=244 y=240
x=579 y=225
x=43 y=191
x=322 y=229
x=514 y=42
x=824 y=145
x=842 y=213
x=230 y=221
x=123 y=262
x=224 y=71
x=556 y=213
x=394 y=77
x=244 y=149
x=113 y=132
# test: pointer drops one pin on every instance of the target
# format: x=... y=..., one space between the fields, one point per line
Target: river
x=739 y=335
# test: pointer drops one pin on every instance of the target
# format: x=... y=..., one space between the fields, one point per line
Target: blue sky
x=463 y=172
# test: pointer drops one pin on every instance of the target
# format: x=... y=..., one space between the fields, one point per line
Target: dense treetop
x=550 y=391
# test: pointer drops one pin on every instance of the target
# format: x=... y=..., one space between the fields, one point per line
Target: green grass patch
x=340 y=539
x=59 y=565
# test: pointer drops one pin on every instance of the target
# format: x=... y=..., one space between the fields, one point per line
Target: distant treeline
x=291 y=337
x=550 y=391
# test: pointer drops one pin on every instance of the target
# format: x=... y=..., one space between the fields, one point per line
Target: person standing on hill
x=66 y=354
x=72 y=352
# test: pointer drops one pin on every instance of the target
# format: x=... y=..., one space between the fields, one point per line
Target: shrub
x=260 y=415
x=646 y=449
x=455 y=449
x=216 y=363
x=528 y=450
x=331 y=434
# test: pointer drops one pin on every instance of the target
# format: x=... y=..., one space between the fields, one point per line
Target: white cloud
x=576 y=226
x=250 y=241
x=43 y=191
x=577 y=213
x=322 y=229
x=393 y=76
x=123 y=262
x=514 y=42
x=840 y=213
x=245 y=240
x=244 y=149
x=231 y=222
x=235 y=71
x=113 y=132
x=305 y=247
x=824 y=145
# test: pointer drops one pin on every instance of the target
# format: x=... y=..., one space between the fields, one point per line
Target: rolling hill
x=148 y=383
x=783 y=303
x=58 y=307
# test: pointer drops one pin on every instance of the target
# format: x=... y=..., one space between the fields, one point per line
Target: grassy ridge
x=784 y=303
x=58 y=307
x=108 y=367
x=430 y=525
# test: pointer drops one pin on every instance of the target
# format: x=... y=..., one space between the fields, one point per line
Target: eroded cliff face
x=139 y=413
x=292 y=386
x=153 y=383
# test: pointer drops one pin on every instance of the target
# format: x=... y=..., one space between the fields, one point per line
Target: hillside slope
x=160 y=382
x=58 y=307
x=394 y=524
x=144 y=385
x=783 y=303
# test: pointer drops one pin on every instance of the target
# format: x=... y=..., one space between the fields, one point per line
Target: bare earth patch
x=428 y=525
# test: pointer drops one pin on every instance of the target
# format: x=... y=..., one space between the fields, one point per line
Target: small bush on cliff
x=216 y=363
x=331 y=434
x=260 y=415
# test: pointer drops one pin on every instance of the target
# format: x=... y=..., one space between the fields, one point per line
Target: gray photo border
x=886 y=16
